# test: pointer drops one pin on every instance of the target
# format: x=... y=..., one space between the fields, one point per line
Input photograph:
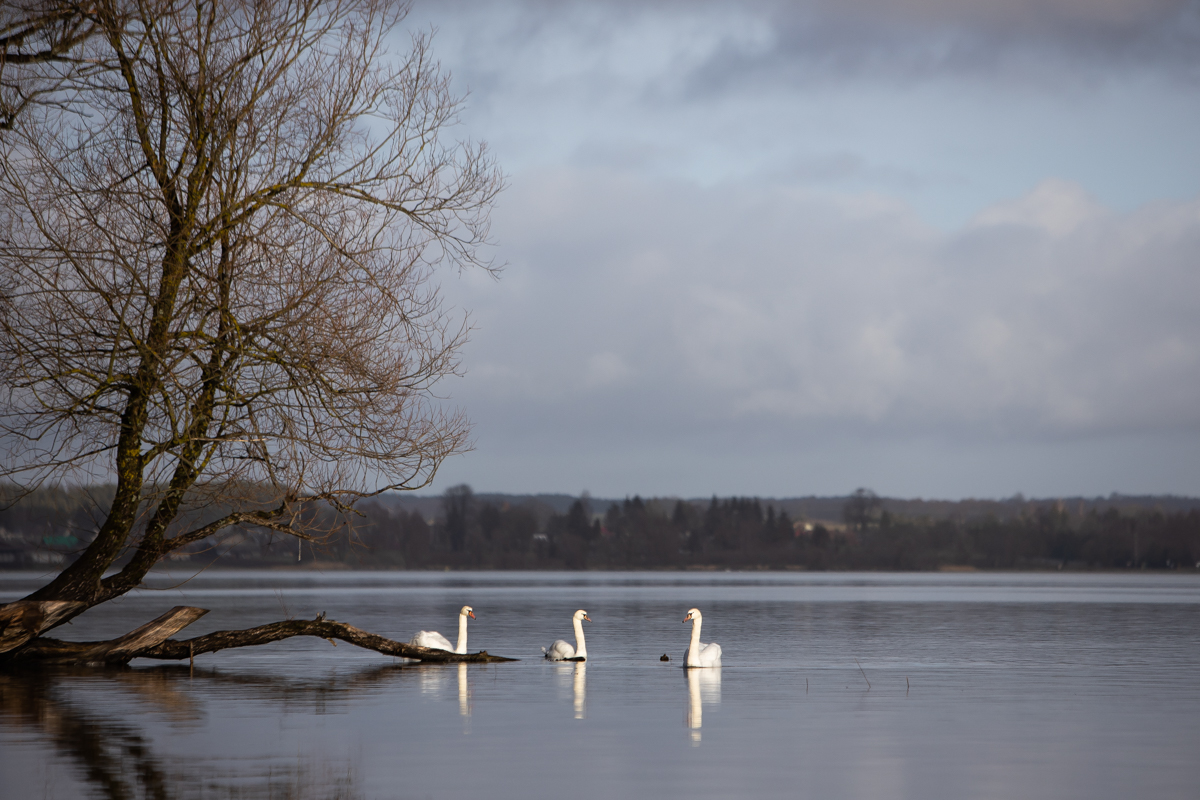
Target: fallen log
x=152 y=641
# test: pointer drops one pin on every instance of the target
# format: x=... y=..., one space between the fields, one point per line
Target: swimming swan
x=436 y=641
x=700 y=655
x=561 y=651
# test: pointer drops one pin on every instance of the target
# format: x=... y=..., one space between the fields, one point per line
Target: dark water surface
x=981 y=686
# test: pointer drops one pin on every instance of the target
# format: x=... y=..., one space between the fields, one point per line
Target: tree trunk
x=25 y=619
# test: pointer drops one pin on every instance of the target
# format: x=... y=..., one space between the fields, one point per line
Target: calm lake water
x=981 y=686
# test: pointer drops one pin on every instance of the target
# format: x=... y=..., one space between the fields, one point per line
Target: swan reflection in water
x=704 y=686
x=577 y=674
x=431 y=678
x=464 y=692
x=580 y=687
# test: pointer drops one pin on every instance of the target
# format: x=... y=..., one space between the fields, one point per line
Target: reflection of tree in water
x=116 y=760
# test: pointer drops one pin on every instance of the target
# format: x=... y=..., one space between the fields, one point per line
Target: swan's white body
x=435 y=641
x=698 y=654
x=561 y=650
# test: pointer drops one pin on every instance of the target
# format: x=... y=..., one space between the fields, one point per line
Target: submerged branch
x=150 y=641
x=319 y=627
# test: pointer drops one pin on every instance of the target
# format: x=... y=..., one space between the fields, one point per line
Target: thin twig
x=864 y=674
x=286 y=611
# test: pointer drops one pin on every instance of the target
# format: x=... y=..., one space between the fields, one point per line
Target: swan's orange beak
x=471 y=614
x=585 y=616
x=689 y=616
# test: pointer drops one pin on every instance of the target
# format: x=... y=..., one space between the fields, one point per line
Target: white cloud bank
x=704 y=327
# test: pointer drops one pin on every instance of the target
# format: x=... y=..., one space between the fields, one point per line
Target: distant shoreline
x=861 y=532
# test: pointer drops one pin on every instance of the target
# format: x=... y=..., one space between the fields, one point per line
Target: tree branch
x=148 y=642
x=173 y=650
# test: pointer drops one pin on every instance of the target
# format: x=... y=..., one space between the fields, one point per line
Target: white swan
x=435 y=641
x=561 y=651
x=700 y=655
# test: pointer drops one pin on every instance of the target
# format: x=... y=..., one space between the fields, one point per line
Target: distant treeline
x=460 y=530
x=745 y=533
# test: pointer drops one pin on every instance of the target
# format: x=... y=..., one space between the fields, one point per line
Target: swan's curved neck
x=580 y=645
x=694 y=647
x=461 y=647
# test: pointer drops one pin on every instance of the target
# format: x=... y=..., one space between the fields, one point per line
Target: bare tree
x=218 y=226
x=862 y=508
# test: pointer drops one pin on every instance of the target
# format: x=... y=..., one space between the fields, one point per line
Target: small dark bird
x=665 y=657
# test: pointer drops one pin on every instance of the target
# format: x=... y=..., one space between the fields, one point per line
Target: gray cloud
x=718 y=91
x=1039 y=44
x=702 y=47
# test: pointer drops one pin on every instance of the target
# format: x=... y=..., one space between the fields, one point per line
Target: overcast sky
x=939 y=248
